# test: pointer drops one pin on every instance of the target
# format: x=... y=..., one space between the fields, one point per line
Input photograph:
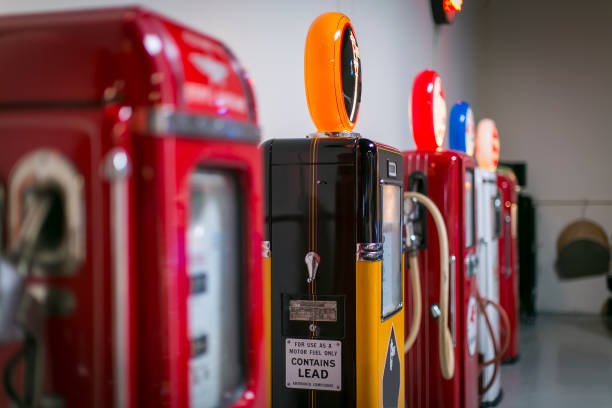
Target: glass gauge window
x=216 y=365
x=469 y=208
x=392 y=250
x=350 y=71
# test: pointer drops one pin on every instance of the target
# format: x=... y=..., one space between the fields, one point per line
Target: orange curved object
x=332 y=73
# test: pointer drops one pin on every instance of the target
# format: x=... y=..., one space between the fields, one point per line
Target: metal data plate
x=313 y=310
x=327 y=312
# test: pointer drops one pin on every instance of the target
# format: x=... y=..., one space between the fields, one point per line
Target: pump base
x=511 y=360
x=493 y=403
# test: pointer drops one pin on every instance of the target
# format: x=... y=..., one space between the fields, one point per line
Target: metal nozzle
x=411 y=215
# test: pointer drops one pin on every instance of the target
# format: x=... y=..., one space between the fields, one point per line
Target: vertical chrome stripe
x=508 y=244
x=117 y=169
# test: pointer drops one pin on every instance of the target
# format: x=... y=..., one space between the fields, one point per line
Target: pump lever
x=24 y=245
x=312 y=260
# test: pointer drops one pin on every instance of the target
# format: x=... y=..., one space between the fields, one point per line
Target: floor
x=565 y=362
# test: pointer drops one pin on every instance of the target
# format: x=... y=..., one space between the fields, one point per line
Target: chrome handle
x=435 y=311
x=312 y=260
x=471 y=263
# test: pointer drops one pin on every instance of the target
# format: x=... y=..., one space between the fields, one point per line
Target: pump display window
x=217 y=368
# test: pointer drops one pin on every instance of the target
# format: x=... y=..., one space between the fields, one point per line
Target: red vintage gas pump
x=133 y=202
x=508 y=256
x=447 y=178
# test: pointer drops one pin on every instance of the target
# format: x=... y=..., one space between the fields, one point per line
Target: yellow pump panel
x=372 y=337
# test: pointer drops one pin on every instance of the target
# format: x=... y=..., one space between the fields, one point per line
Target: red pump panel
x=448 y=185
x=508 y=258
x=139 y=107
x=81 y=336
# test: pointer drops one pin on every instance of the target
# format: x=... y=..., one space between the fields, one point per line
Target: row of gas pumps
x=156 y=255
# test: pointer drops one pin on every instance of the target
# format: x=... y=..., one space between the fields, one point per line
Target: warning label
x=313 y=364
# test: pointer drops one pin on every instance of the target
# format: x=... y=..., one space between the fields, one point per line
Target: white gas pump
x=488 y=210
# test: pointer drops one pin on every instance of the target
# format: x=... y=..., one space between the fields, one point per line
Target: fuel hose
x=445 y=341
x=498 y=353
x=417 y=312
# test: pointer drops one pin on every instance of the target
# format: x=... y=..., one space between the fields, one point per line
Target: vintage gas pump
x=489 y=210
x=508 y=256
x=334 y=222
x=133 y=199
x=447 y=178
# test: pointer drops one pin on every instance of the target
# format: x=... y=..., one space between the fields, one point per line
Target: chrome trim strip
x=265 y=249
x=163 y=122
x=117 y=170
x=333 y=134
x=453 y=298
x=508 y=246
x=369 y=251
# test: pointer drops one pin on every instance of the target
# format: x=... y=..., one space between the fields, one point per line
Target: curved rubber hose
x=417 y=312
x=482 y=390
x=445 y=341
x=498 y=354
x=7 y=377
x=505 y=321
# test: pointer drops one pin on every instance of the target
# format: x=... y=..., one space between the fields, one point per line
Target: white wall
x=397 y=39
x=545 y=71
x=539 y=68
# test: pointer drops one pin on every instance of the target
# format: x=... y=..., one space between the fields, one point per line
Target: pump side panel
x=467 y=316
x=425 y=386
x=508 y=272
x=300 y=193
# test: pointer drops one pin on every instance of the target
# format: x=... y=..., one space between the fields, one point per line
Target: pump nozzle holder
x=332 y=73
